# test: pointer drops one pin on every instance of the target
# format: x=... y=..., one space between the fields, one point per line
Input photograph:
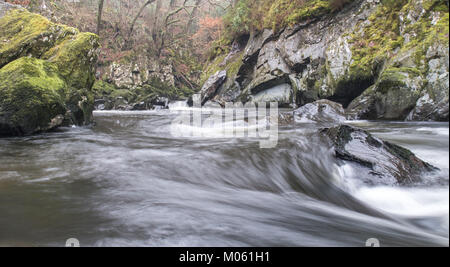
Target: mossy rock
x=102 y=88
x=32 y=95
x=76 y=58
x=26 y=34
x=73 y=54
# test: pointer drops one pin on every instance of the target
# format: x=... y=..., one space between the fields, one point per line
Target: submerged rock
x=320 y=111
x=386 y=162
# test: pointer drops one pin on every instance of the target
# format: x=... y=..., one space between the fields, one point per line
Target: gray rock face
x=392 y=98
x=4 y=7
x=297 y=58
x=410 y=87
x=387 y=163
x=434 y=103
x=135 y=74
x=282 y=94
x=319 y=59
x=320 y=111
x=211 y=86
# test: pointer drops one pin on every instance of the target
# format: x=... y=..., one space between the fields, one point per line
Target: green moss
x=378 y=41
x=232 y=66
x=381 y=40
x=254 y=15
x=75 y=58
x=426 y=35
x=312 y=9
x=101 y=88
x=391 y=79
x=23 y=33
x=73 y=53
x=31 y=94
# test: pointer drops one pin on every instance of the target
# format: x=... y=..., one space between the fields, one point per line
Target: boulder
x=320 y=111
x=26 y=34
x=140 y=106
x=211 y=86
x=392 y=98
x=32 y=97
x=387 y=163
x=69 y=55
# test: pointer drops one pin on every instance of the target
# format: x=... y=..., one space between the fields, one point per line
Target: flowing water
x=128 y=182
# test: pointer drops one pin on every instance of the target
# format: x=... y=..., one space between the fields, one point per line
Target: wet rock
x=162 y=102
x=392 y=98
x=31 y=97
x=211 y=86
x=281 y=94
x=99 y=104
x=320 y=111
x=55 y=52
x=140 y=106
x=387 y=163
x=434 y=103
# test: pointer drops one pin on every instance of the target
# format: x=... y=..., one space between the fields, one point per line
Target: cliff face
x=380 y=59
x=46 y=73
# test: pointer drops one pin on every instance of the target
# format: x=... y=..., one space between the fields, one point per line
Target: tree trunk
x=99 y=15
x=136 y=18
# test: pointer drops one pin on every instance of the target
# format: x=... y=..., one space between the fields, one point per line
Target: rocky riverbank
x=384 y=60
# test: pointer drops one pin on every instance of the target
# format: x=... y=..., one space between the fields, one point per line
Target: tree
x=137 y=16
x=99 y=15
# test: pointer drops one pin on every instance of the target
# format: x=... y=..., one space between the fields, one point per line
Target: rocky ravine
x=46 y=73
x=379 y=59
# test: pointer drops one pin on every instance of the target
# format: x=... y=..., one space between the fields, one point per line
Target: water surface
x=127 y=182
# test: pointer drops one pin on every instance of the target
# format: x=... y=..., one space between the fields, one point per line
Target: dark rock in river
x=386 y=162
x=320 y=111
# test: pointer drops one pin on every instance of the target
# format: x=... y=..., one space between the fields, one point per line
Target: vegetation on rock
x=65 y=55
x=32 y=94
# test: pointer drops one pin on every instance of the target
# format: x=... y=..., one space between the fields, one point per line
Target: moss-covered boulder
x=75 y=58
x=26 y=34
x=393 y=96
x=32 y=96
x=72 y=56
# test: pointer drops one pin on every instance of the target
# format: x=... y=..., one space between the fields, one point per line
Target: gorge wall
x=379 y=59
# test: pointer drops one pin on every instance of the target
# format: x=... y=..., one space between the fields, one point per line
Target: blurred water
x=127 y=182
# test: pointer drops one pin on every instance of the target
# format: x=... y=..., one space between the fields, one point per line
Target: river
x=126 y=181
